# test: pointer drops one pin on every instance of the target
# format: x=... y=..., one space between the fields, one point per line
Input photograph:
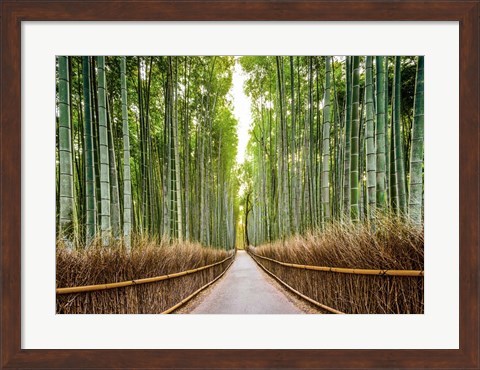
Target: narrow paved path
x=245 y=290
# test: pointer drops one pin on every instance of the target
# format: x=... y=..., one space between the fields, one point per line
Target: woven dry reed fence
x=393 y=244
x=352 y=292
x=149 y=298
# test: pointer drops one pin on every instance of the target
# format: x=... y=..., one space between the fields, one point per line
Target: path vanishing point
x=245 y=289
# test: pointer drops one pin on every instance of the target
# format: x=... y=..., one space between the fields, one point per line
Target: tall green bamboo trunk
x=171 y=149
x=166 y=227
x=202 y=180
x=278 y=143
x=263 y=178
x=196 y=187
x=318 y=152
x=114 y=188
x=337 y=160
x=67 y=216
x=398 y=143
x=294 y=197
x=362 y=193
x=178 y=188
x=387 y=144
x=90 y=202
x=219 y=224
x=307 y=219
x=79 y=165
x=354 y=144
x=271 y=174
x=393 y=194
x=127 y=181
x=370 y=141
x=416 y=157
x=283 y=203
x=151 y=204
x=299 y=147
x=265 y=189
x=311 y=146
x=143 y=134
x=326 y=146
x=187 y=151
x=380 y=133
x=104 y=154
x=96 y=144
x=347 y=139
x=288 y=224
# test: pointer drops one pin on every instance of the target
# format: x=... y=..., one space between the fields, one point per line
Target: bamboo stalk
x=342 y=270
x=90 y=288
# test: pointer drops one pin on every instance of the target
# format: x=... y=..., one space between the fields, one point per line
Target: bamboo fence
x=343 y=270
x=140 y=295
x=350 y=290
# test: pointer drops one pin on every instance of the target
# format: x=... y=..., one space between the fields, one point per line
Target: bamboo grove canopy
x=333 y=139
x=147 y=146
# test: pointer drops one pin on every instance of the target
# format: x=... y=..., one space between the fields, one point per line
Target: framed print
x=250 y=158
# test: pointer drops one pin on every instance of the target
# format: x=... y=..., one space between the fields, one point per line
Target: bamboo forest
x=251 y=184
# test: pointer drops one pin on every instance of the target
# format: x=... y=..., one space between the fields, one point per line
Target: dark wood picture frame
x=14 y=12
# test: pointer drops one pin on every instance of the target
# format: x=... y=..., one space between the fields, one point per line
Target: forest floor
x=246 y=289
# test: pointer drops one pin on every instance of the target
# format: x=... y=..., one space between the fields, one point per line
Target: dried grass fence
x=353 y=268
x=111 y=280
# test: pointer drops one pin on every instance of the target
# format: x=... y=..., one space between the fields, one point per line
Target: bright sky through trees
x=241 y=109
